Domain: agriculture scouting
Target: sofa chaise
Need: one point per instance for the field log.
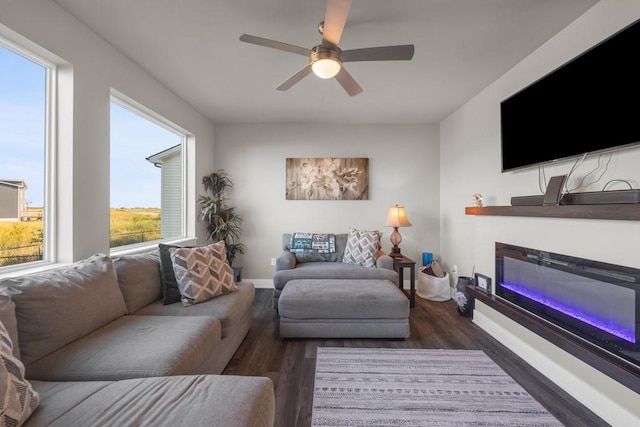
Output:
(101, 348)
(305, 265)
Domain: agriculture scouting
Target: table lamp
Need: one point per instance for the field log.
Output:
(397, 218)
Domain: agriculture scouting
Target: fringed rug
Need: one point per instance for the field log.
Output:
(416, 387)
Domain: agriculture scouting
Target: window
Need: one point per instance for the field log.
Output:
(26, 88)
(147, 184)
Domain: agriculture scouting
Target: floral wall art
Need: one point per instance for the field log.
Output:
(328, 178)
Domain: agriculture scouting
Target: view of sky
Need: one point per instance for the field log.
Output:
(22, 103)
(135, 182)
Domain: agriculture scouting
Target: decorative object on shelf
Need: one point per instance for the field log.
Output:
(327, 178)
(222, 221)
(476, 200)
(396, 218)
(483, 283)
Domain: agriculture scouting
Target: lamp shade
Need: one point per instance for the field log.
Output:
(397, 217)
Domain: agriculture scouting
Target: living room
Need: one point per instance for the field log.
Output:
(433, 169)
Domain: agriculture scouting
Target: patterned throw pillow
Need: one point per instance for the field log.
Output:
(18, 400)
(202, 272)
(362, 247)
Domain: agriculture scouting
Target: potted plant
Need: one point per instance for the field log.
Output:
(222, 221)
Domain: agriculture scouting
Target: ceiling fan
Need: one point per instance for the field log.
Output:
(326, 60)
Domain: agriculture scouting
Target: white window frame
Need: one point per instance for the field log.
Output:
(49, 255)
(135, 107)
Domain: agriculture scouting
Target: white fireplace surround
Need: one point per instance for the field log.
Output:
(607, 398)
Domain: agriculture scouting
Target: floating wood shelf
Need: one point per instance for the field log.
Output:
(626, 212)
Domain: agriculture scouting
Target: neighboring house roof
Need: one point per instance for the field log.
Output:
(159, 157)
(13, 183)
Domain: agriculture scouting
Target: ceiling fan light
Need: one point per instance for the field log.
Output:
(326, 68)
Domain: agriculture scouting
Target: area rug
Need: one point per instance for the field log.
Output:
(417, 387)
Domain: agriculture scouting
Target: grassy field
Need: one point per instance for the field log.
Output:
(22, 241)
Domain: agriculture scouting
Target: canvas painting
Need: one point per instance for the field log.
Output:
(330, 178)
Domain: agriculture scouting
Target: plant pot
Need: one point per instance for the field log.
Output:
(237, 274)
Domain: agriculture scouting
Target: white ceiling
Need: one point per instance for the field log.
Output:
(192, 47)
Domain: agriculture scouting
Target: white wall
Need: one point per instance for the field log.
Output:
(403, 169)
(470, 163)
(89, 68)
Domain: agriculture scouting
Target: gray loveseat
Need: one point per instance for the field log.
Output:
(101, 348)
(296, 266)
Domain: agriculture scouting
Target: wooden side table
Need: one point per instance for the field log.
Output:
(399, 264)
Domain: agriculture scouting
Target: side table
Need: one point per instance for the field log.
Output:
(399, 264)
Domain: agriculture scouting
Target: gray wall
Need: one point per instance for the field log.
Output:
(470, 163)
(403, 169)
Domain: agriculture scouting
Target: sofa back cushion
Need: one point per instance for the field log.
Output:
(58, 306)
(139, 279)
(341, 243)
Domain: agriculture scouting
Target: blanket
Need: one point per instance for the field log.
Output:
(313, 243)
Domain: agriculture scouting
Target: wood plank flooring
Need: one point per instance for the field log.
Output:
(291, 363)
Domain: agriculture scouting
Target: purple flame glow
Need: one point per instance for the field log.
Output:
(602, 324)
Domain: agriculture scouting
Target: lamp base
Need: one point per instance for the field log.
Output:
(395, 252)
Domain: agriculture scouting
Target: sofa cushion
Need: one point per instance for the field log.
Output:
(133, 347)
(18, 400)
(139, 279)
(58, 306)
(362, 247)
(8, 319)
(194, 400)
(332, 270)
(229, 309)
(202, 273)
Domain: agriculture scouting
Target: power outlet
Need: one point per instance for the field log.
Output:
(273, 261)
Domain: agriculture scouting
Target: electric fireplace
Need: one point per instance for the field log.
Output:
(595, 301)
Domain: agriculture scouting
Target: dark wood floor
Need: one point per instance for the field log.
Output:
(291, 363)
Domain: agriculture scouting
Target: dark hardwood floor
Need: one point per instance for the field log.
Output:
(291, 363)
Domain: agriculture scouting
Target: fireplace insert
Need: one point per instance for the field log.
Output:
(596, 301)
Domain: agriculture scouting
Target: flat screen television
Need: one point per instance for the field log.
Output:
(588, 105)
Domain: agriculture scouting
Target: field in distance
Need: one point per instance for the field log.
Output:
(21, 241)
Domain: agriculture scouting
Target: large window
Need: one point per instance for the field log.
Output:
(25, 150)
(147, 184)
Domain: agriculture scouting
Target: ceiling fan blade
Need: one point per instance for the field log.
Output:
(295, 78)
(275, 44)
(348, 82)
(335, 17)
(382, 53)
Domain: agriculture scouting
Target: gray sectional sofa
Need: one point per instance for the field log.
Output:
(101, 348)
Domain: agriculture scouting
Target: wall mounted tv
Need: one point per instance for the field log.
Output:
(589, 105)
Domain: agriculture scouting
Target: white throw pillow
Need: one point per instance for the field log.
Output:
(18, 400)
(202, 272)
(362, 247)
